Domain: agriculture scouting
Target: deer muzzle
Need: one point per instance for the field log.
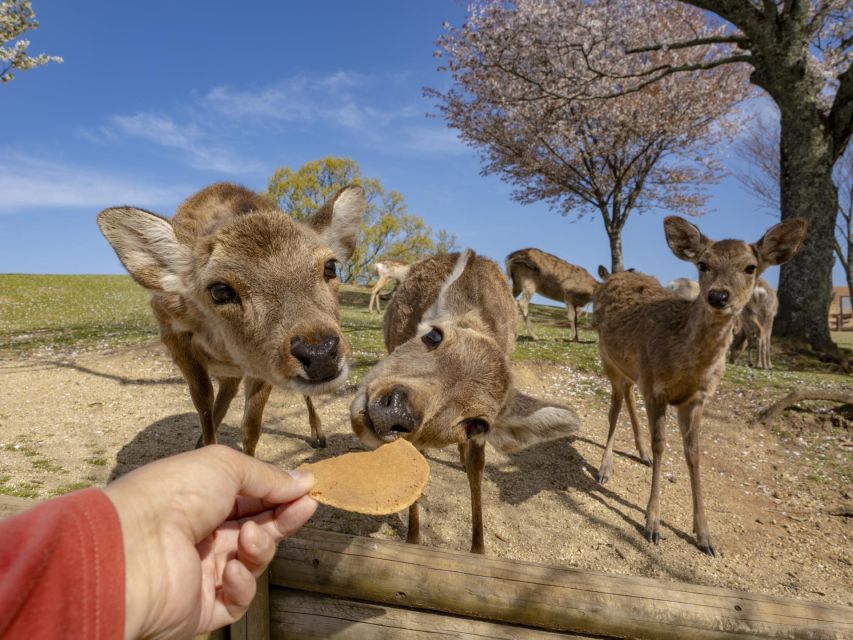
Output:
(392, 415)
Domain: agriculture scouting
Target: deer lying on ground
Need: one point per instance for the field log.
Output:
(673, 349)
(684, 288)
(395, 270)
(240, 290)
(534, 271)
(450, 330)
(756, 325)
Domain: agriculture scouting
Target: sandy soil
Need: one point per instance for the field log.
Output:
(780, 519)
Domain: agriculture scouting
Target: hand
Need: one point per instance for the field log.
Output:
(198, 528)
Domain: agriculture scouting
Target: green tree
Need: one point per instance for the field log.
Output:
(17, 17)
(388, 231)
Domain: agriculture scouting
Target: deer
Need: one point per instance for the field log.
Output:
(756, 325)
(241, 292)
(450, 329)
(535, 271)
(674, 349)
(395, 270)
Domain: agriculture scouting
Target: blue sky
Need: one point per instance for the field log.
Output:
(158, 99)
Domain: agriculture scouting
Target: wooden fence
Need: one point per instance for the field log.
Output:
(331, 585)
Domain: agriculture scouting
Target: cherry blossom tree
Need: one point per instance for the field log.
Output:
(17, 17)
(520, 97)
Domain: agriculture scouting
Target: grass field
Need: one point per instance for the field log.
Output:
(55, 314)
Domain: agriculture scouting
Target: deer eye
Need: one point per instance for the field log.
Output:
(433, 338)
(330, 269)
(475, 427)
(750, 269)
(222, 293)
(703, 266)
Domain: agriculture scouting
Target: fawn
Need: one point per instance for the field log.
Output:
(395, 270)
(674, 349)
(240, 290)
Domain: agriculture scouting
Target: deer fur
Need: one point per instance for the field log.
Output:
(241, 291)
(756, 325)
(534, 271)
(450, 330)
(674, 349)
(684, 288)
(395, 270)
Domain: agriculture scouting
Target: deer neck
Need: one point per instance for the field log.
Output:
(710, 334)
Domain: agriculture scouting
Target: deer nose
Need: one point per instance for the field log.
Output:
(392, 415)
(718, 298)
(319, 359)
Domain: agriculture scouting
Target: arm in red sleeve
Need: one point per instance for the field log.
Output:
(62, 570)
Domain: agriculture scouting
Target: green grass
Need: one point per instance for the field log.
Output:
(39, 312)
(68, 488)
(18, 490)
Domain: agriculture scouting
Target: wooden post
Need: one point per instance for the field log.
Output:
(540, 596)
(255, 625)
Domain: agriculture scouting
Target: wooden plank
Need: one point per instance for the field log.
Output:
(542, 596)
(300, 615)
(255, 625)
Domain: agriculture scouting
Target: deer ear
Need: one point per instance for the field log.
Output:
(603, 273)
(526, 420)
(339, 219)
(685, 239)
(438, 307)
(148, 248)
(782, 241)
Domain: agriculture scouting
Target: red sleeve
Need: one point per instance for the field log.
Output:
(62, 570)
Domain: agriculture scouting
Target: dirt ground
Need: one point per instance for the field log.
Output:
(779, 515)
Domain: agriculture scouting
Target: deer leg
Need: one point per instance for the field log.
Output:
(201, 389)
(318, 438)
(475, 462)
(690, 423)
(523, 303)
(656, 409)
(461, 448)
(572, 314)
(413, 536)
(628, 394)
(227, 390)
(613, 417)
(257, 393)
(740, 342)
(374, 295)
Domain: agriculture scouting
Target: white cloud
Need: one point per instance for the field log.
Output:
(189, 139)
(27, 183)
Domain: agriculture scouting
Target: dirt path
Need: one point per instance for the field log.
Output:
(775, 503)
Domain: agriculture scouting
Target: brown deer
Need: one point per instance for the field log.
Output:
(756, 325)
(395, 270)
(534, 271)
(240, 290)
(673, 349)
(684, 288)
(450, 330)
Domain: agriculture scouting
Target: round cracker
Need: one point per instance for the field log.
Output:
(379, 482)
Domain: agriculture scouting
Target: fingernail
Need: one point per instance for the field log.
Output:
(302, 477)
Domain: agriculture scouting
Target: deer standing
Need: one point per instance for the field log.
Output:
(240, 290)
(450, 329)
(756, 325)
(534, 271)
(673, 349)
(395, 270)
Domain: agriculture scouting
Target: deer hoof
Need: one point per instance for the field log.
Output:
(318, 443)
(708, 549)
(652, 536)
(603, 477)
(646, 460)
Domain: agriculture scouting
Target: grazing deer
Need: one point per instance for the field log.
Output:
(673, 349)
(450, 330)
(395, 270)
(240, 290)
(684, 288)
(756, 325)
(534, 271)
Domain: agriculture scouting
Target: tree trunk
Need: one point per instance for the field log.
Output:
(807, 191)
(616, 264)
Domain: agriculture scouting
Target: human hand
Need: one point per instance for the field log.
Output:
(198, 528)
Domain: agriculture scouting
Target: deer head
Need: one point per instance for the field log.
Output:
(249, 281)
